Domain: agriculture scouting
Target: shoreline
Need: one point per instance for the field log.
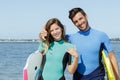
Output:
(33, 40)
(19, 40)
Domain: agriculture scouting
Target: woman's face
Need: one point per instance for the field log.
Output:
(56, 32)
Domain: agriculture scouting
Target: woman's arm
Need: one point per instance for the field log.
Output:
(43, 34)
(73, 66)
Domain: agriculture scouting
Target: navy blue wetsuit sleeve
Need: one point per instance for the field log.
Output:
(67, 36)
(107, 44)
(69, 59)
(66, 60)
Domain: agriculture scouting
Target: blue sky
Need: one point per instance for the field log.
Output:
(24, 19)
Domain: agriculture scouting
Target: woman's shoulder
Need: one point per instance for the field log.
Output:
(67, 44)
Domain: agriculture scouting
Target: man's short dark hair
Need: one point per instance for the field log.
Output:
(74, 11)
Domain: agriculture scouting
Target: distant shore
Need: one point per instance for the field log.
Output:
(37, 40)
(19, 40)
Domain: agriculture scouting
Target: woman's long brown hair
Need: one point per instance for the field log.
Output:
(49, 38)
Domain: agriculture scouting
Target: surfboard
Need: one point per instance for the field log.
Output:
(108, 66)
(31, 71)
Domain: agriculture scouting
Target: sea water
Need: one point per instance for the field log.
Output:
(13, 56)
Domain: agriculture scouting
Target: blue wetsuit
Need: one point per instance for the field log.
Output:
(89, 45)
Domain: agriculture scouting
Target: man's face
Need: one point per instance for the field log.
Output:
(80, 21)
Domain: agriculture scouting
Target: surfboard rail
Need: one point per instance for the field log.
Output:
(108, 66)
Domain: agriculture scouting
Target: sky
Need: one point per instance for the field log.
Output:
(24, 19)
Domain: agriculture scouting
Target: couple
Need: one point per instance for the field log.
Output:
(83, 59)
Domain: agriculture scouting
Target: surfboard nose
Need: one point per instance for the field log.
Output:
(32, 67)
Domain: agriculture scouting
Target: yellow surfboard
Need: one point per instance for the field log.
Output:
(108, 66)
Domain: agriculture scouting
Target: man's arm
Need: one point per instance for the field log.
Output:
(114, 63)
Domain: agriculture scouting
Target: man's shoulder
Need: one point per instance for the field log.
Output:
(99, 31)
(72, 34)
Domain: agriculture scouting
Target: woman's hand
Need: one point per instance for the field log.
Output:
(73, 52)
(43, 34)
(72, 68)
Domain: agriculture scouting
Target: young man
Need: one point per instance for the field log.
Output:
(89, 43)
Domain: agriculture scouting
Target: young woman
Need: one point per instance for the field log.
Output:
(57, 52)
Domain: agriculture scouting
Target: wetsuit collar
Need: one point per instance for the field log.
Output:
(85, 32)
(60, 41)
